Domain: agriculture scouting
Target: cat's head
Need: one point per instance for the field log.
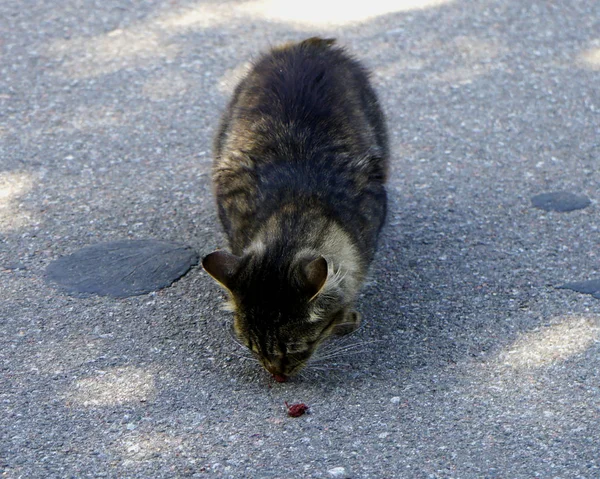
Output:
(282, 307)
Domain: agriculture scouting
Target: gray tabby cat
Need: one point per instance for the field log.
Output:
(301, 159)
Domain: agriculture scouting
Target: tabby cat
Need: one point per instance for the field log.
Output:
(301, 158)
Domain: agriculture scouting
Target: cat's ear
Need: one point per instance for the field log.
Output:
(222, 266)
(315, 276)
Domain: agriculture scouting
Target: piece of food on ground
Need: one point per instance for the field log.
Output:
(296, 410)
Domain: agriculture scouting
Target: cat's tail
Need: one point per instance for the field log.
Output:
(310, 44)
(318, 42)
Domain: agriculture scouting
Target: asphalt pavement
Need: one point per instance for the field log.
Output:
(472, 361)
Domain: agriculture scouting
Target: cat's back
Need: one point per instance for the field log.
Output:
(300, 94)
(304, 121)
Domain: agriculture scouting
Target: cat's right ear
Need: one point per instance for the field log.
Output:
(222, 266)
(315, 274)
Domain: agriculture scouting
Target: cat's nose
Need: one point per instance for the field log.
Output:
(276, 372)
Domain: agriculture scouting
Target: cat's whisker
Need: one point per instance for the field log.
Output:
(320, 368)
(322, 372)
(232, 335)
(339, 350)
(354, 344)
(336, 375)
(319, 374)
(242, 356)
(330, 365)
(330, 359)
(245, 358)
(352, 347)
(359, 328)
(239, 343)
(339, 354)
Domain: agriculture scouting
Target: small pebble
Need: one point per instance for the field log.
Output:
(337, 472)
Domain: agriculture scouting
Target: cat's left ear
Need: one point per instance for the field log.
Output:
(222, 266)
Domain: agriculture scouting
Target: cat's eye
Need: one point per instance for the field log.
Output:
(301, 355)
(297, 349)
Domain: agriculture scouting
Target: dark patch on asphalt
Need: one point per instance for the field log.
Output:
(122, 268)
(591, 286)
(560, 201)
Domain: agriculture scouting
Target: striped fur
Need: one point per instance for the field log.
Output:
(299, 171)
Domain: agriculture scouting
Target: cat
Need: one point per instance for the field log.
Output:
(300, 163)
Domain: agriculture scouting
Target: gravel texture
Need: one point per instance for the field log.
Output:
(471, 362)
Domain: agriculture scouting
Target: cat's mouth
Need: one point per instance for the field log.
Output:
(281, 374)
(277, 373)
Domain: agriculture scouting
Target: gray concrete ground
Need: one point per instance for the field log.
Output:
(471, 364)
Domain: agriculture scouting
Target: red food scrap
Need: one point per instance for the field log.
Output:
(296, 410)
(280, 378)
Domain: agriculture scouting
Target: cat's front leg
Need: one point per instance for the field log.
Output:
(349, 324)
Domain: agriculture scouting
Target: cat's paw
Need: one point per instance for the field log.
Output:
(349, 325)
